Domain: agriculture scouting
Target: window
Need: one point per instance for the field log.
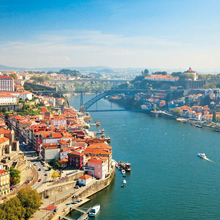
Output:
(99, 166)
(98, 173)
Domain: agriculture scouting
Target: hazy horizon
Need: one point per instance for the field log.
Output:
(117, 34)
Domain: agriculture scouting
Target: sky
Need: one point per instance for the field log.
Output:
(166, 34)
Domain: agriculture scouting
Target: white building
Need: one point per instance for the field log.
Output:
(85, 179)
(6, 83)
(25, 95)
(7, 99)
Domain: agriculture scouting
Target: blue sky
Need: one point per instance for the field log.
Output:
(115, 33)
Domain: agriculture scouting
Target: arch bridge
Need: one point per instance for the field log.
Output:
(101, 94)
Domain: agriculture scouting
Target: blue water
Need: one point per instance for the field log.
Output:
(168, 180)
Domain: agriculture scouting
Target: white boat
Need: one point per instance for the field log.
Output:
(124, 181)
(95, 209)
(122, 171)
(202, 155)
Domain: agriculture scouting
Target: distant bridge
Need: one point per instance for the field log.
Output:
(104, 93)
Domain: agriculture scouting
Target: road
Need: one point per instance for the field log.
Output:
(31, 155)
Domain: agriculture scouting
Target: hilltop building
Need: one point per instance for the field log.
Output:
(190, 71)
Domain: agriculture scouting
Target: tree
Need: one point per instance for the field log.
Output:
(30, 200)
(15, 176)
(176, 112)
(160, 73)
(4, 109)
(214, 118)
(176, 74)
(145, 72)
(55, 175)
(13, 75)
(57, 164)
(186, 76)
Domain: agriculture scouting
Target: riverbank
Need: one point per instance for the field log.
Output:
(84, 193)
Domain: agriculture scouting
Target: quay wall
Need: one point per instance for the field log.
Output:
(87, 192)
(96, 187)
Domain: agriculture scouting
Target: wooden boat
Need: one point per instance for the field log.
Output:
(125, 166)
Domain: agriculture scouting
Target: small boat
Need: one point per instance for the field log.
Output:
(125, 166)
(97, 123)
(202, 155)
(123, 185)
(95, 209)
(101, 131)
(124, 181)
(108, 139)
(122, 171)
(124, 175)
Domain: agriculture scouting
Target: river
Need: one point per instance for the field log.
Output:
(168, 180)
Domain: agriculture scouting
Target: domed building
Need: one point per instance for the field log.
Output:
(190, 71)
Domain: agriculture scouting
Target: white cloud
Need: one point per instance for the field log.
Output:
(86, 48)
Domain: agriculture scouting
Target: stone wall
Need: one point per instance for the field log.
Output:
(96, 187)
(70, 178)
(57, 189)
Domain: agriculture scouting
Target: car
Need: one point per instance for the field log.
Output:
(45, 174)
(77, 201)
(39, 180)
(74, 196)
(35, 164)
(76, 187)
(39, 169)
(70, 203)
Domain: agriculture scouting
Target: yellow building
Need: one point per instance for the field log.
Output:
(4, 182)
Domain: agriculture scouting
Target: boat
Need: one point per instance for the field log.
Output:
(95, 209)
(108, 139)
(101, 131)
(97, 123)
(202, 155)
(124, 181)
(123, 185)
(125, 166)
(122, 171)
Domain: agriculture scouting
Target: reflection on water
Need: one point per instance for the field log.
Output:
(168, 180)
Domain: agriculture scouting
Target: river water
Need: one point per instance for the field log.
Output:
(168, 180)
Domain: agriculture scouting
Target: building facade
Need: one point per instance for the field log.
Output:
(4, 182)
(6, 83)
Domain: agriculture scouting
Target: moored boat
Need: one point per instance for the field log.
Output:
(125, 166)
(202, 155)
(124, 181)
(97, 123)
(95, 209)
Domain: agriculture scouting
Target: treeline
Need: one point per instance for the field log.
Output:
(40, 79)
(21, 207)
(69, 72)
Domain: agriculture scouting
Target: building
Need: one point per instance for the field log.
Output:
(190, 71)
(100, 165)
(51, 152)
(85, 179)
(4, 182)
(76, 160)
(8, 99)
(6, 83)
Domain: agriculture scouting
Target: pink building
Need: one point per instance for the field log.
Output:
(101, 166)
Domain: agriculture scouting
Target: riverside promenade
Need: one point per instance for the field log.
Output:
(61, 199)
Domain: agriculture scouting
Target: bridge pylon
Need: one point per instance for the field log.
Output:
(81, 108)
